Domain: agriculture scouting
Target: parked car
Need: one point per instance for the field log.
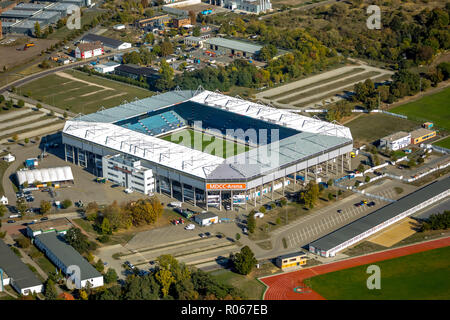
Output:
(245, 231)
(207, 234)
(202, 235)
(190, 227)
(371, 204)
(44, 219)
(11, 221)
(339, 211)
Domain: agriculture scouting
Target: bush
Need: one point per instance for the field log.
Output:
(251, 223)
(238, 236)
(66, 203)
(103, 238)
(23, 242)
(262, 209)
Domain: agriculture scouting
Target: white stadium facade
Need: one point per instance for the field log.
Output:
(278, 147)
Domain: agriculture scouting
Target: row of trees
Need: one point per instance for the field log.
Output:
(170, 280)
(437, 221)
(115, 217)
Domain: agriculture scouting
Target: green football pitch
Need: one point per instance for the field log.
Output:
(206, 143)
(435, 108)
(420, 276)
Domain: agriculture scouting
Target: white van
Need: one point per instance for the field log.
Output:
(15, 216)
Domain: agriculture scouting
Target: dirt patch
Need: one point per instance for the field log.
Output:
(69, 76)
(395, 233)
(12, 55)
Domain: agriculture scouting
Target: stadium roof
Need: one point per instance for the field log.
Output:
(17, 270)
(373, 219)
(234, 44)
(314, 137)
(68, 255)
(45, 175)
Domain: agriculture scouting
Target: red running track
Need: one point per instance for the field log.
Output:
(281, 287)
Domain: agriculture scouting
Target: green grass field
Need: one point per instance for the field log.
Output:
(80, 97)
(445, 143)
(252, 288)
(370, 127)
(420, 276)
(206, 143)
(435, 108)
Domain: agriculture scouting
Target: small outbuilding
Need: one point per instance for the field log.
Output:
(206, 218)
(4, 200)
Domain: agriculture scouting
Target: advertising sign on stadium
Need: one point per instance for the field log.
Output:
(226, 186)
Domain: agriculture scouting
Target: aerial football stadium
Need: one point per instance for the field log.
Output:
(205, 147)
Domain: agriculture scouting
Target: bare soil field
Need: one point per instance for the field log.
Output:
(11, 56)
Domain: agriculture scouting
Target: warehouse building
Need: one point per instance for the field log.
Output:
(233, 47)
(251, 6)
(16, 273)
(206, 219)
(136, 72)
(107, 67)
(421, 135)
(396, 141)
(88, 50)
(128, 173)
(27, 27)
(47, 17)
(16, 15)
(31, 6)
(54, 175)
(63, 8)
(366, 226)
(107, 42)
(65, 257)
(59, 225)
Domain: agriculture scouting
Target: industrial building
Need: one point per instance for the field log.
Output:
(47, 17)
(88, 50)
(179, 22)
(251, 6)
(396, 141)
(58, 225)
(136, 72)
(107, 42)
(16, 273)
(156, 21)
(26, 27)
(421, 135)
(234, 47)
(66, 258)
(281, 145)
(107, 67)
(370, 224)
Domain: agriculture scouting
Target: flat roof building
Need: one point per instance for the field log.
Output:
(291, 260)
(206, 218)
(59, 225)
(18, 14)
(27, 26)
(364, 227)
(21, 278)
(65, 257)
(396, 141)
(422, 134)
(107, 42)
(48, 17)
(135, 72)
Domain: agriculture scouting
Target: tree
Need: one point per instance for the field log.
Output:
(50, 290)
(21, 206)
(251, 223)
(196, 31)
(357, 183)
(330, 196)
(26, 140)
(166, 80)
(38, 106)
(45, 206)
(262, 209)
(106, 227)
(311, 195)
(37, 30)
(330, 182)
(150, 38)
(111, 276)
(66, 203)
(411, 163)
(244, 261)
(165, 279)
(79, 241)
(23, 242)
(15, 137)
(65, 114)
(367, 179)
(20, 103)
(3, 210)
(238, 236)
(99, 265)
(360, 167)
(193, 18)
(166, 48)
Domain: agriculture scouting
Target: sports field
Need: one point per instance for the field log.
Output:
(424, 275)
(445, 143)
(435, 108)
(80, 93)
(206, 143)
(380, 126)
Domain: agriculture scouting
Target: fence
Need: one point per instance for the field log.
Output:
(439, 149)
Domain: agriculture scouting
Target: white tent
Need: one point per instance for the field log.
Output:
(9, 158)
(45, 175)
(3, 200)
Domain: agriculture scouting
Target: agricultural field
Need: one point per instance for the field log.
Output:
(323, 88)
(434, 108)
(80, 93)
(380, 126)
(206, 143)
(419, 276)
